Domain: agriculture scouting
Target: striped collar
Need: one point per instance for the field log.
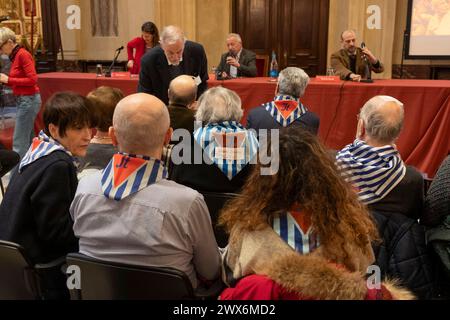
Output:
(285, 109)
(296, 230)
(373, 171)
(127, 174)
(43, 146)
(228, 145)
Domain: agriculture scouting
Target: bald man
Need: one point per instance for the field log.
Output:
(131, 213)
(182, 103)
(354, 63)
(373, 164)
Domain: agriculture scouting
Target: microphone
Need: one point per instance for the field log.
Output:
(4, 18)
(119, 49)
(368, 71)
(109, 71)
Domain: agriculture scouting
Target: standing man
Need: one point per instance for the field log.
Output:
(237, 62)
(351, 61)
(176, 56)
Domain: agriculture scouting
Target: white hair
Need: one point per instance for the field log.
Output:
(7, 34)
(219, 104)
(171, 35)
(292, 81)
(235, 36)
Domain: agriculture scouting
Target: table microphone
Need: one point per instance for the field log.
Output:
(368, 71)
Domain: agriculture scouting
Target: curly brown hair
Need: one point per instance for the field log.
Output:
(308, 178)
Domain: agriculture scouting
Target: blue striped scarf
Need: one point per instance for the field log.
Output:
(373, 171)
(229, 146)
(285, 109)
(42, 146)
(127, 174)
(299, 236)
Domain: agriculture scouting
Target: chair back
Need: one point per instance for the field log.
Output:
(262, 65)
(215, 202)
(17, 277)
(104, 280)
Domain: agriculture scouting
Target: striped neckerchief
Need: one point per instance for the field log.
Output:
(42, 146)
(228, 145)
(373, 171)
(127, 174)
(285, 109)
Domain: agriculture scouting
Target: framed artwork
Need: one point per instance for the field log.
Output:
(31, 8)
(14, 25)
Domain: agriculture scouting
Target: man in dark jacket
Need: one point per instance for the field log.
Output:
(182, 95)
(173, 58)
(237, 62)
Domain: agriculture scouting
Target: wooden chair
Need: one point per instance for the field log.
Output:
(262, 65)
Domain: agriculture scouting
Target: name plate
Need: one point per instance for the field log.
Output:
(328, 78)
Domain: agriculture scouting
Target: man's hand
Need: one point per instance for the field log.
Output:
(4, 78)
(224, 75)
(233, 62)
(355, 77)
(372, 58)
(130, 64)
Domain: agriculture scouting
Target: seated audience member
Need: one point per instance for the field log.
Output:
(35, 210)
(131, 213)
(8, 160)
(351, 62)
(139, 46)
(237, 62)
(101, 149)
(217, 158)
(301, 230)
(373, 164)
(286, 109)
(182, 96)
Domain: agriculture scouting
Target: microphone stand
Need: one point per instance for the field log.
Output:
(108, 72)
(368, 72)
(405, 35)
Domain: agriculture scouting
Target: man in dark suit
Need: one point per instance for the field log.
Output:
(182, 95)
(176, 56)
(286, 109)
(237, 62)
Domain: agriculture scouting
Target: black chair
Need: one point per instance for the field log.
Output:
(19, 279)
(215, 202)
(104, 280)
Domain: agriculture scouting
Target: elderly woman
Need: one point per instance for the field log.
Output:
(300, 233)
(35, 210)
(140, 45)
(221, 150)
(286, 109)
(23, 81)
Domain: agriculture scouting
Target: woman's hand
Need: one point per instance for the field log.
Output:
(4, 78)
(130, 64)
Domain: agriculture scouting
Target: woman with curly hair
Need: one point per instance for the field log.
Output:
(300, 233)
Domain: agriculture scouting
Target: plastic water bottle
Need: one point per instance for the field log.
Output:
(274, 66)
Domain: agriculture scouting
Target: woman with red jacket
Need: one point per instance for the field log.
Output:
(23, 81)
(140, 45)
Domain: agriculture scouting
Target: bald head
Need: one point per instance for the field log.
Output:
(182, 91)
(382, 117)
(140, 123)
(348, 41)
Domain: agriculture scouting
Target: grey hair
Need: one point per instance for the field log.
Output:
(293, 82)
(236, 36)
(219, 104)
(171, 35)
(7, 34)
(349, 30)
(376, 124)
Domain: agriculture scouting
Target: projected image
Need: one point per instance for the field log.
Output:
(430, 17)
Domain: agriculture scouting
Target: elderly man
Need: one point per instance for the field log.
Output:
(353, 63)
(237, 62)
(131, 213)
(176, 56)
(286, 109)
(217, 157)
(182, 103)
(373, 164)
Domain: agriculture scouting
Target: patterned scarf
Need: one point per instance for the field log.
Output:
(285, 109)
(127, 174)
(229, 146)
(373, 171)
(42, 146)
(296, 230)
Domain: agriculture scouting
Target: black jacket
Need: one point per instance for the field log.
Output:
(35, 210)
(247, 60)
(260, 118)
(154, 77)
(403, 253)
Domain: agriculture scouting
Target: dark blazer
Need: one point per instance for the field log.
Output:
(247, 61)
(260, 118)
(35, 210)
(154, 77)
(340, 61)
(181, 117)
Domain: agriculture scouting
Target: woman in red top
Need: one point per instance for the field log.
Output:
(23, 81)
(140, 45)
